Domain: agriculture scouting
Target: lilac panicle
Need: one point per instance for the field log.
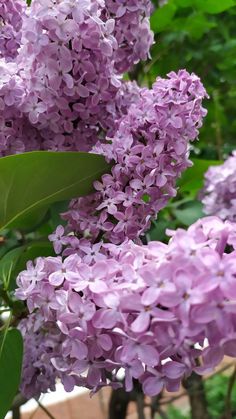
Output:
(152, 310)
(150, 151)
(70, 59)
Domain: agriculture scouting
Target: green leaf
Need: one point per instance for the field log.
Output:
(184, 3)
(55, 211)
(193, 178)
(8, 263)
(11, 353)
(214, 6)
(162, 17)
(33, 219)
(158, 229)
(189, 213)
(34, 180)
(195, 25)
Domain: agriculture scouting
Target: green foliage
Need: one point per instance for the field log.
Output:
(174, 413)
(158, 229)
(32, 181)
(214, 6)
(11, 352)
(192, 179)
(162, 16)
(200, 35)
(195, 25)
(188, 212)
(184, 3)
(216, 390)
(186, 208)
(8, 265)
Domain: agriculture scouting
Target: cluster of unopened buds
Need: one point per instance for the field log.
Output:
(158, 311)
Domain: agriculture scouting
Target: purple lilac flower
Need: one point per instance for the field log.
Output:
(149, 151)
(61, 67)
(131, 30)
(154, 310)
(219, 192)
(12, 13)
(64, 91)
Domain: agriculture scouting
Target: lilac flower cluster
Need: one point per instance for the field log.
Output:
(12, 13)
(100, 307)
(219, 192)
(149, 151)
(154, 310)
(68, 71)
(64, 92)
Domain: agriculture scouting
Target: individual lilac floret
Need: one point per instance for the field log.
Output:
(149, 151)
(219, 193)
(12, 13)
(154, 310)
